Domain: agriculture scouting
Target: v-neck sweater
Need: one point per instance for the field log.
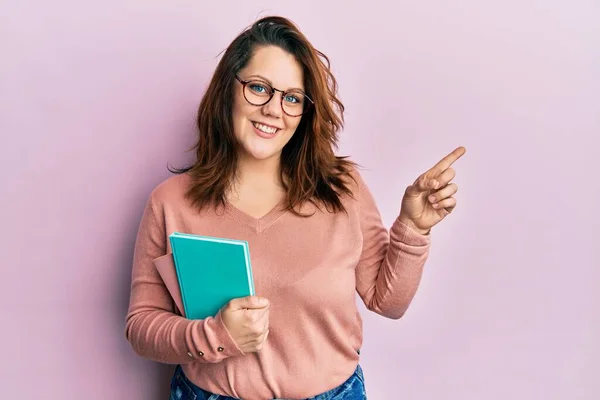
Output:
(310, 269)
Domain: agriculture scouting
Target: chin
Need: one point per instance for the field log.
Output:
(263, 155)
(261, 149)
(260, 152)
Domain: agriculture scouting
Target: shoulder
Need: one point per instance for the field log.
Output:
(357, 193)
(363, 199)
(170, 192)
(355, 181)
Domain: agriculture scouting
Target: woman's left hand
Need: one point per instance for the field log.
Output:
(431, 197)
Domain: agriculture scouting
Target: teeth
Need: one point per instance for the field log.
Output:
(266, 129)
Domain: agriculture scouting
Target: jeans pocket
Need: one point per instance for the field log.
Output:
(360, 374)
(352, 389)
(181, 389)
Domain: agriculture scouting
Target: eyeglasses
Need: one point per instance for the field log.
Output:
(294, 102)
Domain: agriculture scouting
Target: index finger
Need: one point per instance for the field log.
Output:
(447, 161)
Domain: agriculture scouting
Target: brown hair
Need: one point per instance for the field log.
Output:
(313, 172)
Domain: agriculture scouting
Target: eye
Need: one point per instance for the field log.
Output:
(291, 99)
(259, 88)
(294, 98)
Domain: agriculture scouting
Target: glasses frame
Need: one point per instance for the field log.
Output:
(307, 107)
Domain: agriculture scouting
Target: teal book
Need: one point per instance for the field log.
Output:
(211, 272)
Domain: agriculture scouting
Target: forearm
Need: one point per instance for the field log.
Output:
(399, 272)
(164, 337)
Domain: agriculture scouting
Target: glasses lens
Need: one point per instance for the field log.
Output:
(294, 102)
(257, 92)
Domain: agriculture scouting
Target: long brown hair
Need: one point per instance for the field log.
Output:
(312, 171)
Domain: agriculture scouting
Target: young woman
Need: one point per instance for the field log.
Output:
(266, 172)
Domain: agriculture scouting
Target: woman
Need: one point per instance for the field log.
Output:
(266, 173)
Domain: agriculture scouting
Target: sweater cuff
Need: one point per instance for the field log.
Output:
(230, 348)
(210, 341)
(402, 233)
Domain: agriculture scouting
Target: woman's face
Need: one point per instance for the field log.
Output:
(263, 131)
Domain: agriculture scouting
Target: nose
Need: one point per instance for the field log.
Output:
(273, 107)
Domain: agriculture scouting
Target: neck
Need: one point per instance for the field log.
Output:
(258, 174)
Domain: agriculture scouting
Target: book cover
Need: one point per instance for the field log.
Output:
(211, 272)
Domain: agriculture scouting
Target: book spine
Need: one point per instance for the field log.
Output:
(183, 296)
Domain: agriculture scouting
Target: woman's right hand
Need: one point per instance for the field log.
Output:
(247, 320)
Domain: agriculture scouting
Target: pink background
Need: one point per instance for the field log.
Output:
(96, 98)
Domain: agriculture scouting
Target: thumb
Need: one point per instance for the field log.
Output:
(421, 185)
(249, 302)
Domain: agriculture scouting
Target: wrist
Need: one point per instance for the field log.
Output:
(411, 225)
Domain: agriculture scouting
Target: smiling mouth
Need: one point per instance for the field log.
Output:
(269, 130)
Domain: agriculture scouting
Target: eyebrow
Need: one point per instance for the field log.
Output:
(271, 83)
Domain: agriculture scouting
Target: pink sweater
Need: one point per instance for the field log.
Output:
(309, 269)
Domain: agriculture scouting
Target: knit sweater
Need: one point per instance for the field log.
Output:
(310, 269)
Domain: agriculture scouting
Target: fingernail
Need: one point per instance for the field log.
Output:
(435, 205)
(431, 198)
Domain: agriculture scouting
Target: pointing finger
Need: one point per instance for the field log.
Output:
(447, 161)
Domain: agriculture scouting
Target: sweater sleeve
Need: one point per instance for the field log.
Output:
(391, 264)
(152, 327)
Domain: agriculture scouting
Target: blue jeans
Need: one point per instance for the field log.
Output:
(183, 389)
